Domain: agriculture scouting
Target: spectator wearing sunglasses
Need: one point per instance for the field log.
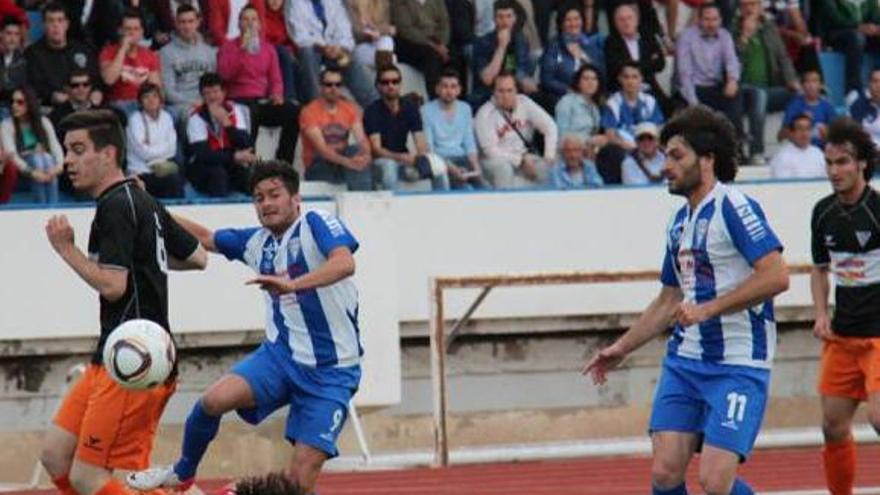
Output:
(389, 121)
(327, 125)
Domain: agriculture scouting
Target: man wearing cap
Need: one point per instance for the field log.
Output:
(644, 165)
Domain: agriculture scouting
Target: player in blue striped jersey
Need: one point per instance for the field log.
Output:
(721, 269)
(310, 358)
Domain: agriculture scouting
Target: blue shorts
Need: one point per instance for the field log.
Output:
(723, 403)
(318, 397)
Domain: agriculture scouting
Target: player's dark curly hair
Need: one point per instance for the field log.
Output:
(708, 133)
(275, 169)
(843, 131)
(270, 484)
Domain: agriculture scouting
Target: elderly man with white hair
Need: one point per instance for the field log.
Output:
(574, 170)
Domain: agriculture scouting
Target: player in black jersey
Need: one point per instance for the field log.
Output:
(846, 242)
(101, 427)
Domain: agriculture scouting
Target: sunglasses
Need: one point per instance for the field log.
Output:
(332, 84)
(645, 137)
(18, 101)
(389, 82)
(80, 84)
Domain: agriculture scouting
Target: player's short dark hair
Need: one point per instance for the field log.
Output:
(387, 68)
(55, 8)
(103, 128)
(843, 131)
(800, 116)
(708, 133)
(186, 8)
(209, 80)
(275, 169)
(270, 484)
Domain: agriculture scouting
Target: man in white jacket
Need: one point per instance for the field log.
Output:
(505, 131)
(152, 145)
(323, 35)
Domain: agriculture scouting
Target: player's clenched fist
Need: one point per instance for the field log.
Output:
(59, 232)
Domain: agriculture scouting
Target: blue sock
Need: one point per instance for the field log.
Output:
(200, 430)
(678, 490)
(740, 487)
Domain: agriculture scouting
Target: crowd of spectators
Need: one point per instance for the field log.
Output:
(513, 98)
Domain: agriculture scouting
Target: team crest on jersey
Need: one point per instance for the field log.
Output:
(863, 237)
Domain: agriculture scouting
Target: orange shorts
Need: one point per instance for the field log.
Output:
(850, 367)
(114, 426)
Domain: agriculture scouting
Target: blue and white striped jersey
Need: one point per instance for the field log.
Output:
(710, 252)
(315, 327)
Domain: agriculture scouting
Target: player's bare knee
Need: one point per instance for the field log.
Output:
(215, 404)
(54, 461)
(666, 474)
(716, 483)
(835, 430)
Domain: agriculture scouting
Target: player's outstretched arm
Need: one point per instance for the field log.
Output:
(656, 318)
(339, 265)
(820, 288)
(770, 277)
(199, 231)
(111, 283)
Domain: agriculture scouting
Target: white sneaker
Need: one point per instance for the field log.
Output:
(157, 477)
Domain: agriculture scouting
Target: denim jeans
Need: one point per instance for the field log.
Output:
(355, 180)
(355, 76)
(758, 102)
(468, 184)
(392, 173)
(44, 192)
(288, 71)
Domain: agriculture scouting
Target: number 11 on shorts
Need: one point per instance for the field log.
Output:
(736, 406)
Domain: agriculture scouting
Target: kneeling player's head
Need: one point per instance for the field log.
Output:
(270, 484)
(274, 186)
(95, 145)
(850, 155)
(700, 145)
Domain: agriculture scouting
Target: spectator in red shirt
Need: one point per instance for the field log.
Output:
(251, 73)
(222, 16)
(126, 65)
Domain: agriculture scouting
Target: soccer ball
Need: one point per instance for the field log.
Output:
(139, 354)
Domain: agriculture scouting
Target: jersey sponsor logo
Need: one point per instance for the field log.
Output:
(754, 227)
(687, 265)
(863, 237)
